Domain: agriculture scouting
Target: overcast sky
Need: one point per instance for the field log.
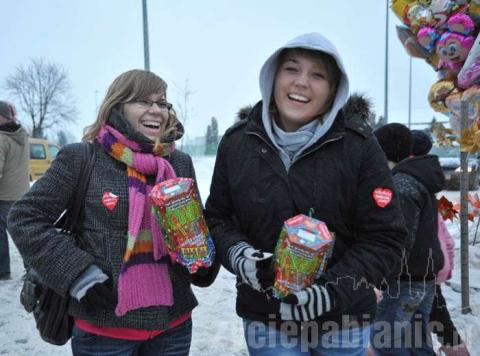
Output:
(218, 46)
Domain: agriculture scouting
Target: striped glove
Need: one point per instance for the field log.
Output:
(306, 305)
(251, 265)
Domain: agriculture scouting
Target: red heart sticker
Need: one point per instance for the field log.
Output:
(110, 200)
(382, 196)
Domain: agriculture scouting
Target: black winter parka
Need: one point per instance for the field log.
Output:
(416, 180)
(252, 194)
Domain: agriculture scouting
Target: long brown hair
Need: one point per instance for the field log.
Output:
(130, 86)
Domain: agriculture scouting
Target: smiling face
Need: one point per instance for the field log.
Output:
(454, 48)
(302, 89)
(149, 120)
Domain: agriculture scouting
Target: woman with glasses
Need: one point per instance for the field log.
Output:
(127, 297)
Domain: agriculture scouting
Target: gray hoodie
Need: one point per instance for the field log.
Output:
(312, 41)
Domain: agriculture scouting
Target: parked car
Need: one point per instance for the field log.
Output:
(449, 158)
(42, 154)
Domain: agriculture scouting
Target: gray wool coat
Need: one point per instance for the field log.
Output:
(103, 239)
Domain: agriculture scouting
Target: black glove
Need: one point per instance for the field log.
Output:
(252, 266)
(203, 276)
(99, 297)
(306, 305)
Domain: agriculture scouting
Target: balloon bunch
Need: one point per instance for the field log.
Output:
(446, 34)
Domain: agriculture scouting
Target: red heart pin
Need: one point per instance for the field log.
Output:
(110, 200)
(382, 196)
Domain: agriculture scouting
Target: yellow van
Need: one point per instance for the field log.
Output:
(42, 154)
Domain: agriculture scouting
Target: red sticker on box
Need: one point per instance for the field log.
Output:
(110, 200)
(382, 196)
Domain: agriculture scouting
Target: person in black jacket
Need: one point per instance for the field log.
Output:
(298, 152)
(408, 299)
(447, 333)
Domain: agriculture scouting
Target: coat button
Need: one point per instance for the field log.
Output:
(264, 150)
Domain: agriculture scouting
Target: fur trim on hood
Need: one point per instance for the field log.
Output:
(358, 104)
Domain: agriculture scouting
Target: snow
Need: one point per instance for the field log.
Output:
(217, 329)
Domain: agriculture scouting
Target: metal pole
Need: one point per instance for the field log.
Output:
(385, 114)
(410, 93)
(464, 216)
(146, 52)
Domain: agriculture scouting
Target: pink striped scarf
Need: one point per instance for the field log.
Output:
(144, 280)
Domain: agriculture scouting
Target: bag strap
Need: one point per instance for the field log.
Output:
(76, 212)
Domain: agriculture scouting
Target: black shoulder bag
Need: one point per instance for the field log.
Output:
(50, 309)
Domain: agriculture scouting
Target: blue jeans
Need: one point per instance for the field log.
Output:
(173, 342)
(264, 340)
(4, 254)
(401, 324)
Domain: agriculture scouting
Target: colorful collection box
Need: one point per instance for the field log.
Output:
(177, 207)
(301, 254)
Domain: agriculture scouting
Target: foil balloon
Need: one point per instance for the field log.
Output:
(425, 3)
(433, 60)
(400, 8)
(439, 92)
(472, 97)
(470, 72)
(461, 23)
(418, 16)
(474, 9)
(409, 42)
(441, 10)
(452, 49)
(454, 102)
(427, 37)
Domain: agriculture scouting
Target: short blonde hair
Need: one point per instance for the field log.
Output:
(130, 86)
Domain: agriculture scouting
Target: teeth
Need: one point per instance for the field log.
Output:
(151, 123)
(299, 97)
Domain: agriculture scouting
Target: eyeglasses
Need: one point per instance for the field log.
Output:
(147, 104)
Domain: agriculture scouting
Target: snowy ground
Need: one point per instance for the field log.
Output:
(217, 330)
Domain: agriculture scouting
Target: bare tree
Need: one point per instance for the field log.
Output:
(183, 104)
(42, 90)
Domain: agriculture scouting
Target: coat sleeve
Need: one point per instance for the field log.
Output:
(51, 253)
(3, 154)
(377, 225)
(219, 208)
(411, 204)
